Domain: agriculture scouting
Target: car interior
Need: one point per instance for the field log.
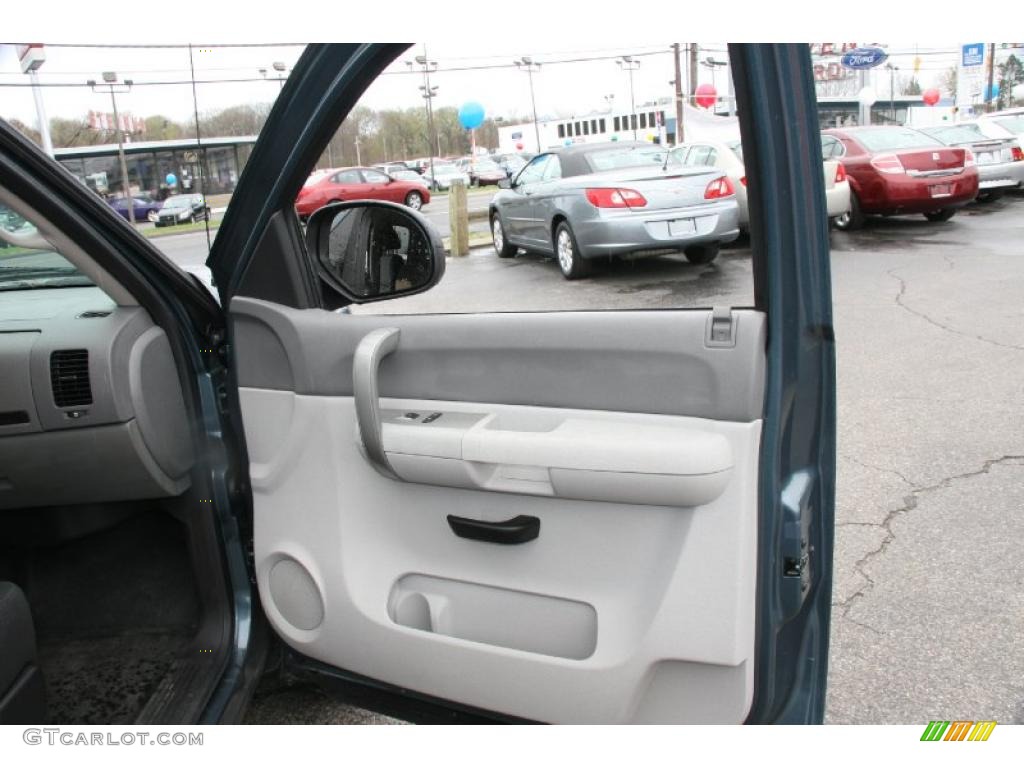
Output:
(105, 607)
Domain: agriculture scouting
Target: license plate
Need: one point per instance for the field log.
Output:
(941, 190)
(986, 158)
(681, 227)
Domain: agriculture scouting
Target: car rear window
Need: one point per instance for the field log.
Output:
(886, 139)
(957, 133)
(1014, 123)
(625, 157)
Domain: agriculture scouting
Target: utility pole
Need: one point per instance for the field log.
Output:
(892, 90)
(359, 159)
(111, 83)
(679, 93)
(530, 66)
(694, 54)
(991, 75)
(630, 64)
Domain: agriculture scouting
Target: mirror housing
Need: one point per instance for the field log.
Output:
(370, 250)
(505, 184)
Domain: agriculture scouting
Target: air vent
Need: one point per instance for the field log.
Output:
(69, 375)
(95, 313)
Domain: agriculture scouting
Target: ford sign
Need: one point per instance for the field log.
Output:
(864, 58)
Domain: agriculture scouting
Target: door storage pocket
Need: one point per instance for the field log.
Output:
(507, 618)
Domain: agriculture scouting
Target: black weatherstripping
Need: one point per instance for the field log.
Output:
(792, 284)
(517, 530)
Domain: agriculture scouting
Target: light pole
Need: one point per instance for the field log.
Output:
(713, 64)
(530, 66)
(110, 82)
(630, 64)
(892, 90)
(428, 92)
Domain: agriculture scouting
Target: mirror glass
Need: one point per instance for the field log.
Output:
(376, 251)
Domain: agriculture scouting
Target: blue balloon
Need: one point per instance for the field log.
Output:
(171, 179)
(471, 115)
(568, 142)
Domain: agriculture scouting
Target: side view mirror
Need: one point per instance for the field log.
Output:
(505, 184)
(369, 250)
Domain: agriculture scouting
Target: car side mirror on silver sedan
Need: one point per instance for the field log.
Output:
(505, 184)
(370, 250)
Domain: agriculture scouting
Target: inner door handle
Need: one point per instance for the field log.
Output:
(518, 530)
(374, 347)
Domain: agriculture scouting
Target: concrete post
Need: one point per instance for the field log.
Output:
(458, 219)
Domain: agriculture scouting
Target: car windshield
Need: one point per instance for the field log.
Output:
(178, 202)
(887, 139)
(27, 261)
(956, 133)
(737, 149)
(625, 157)
(1013, 123)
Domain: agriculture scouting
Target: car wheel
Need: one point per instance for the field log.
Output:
(570, 260)
(504, 248)
(944, 215)
(852, 219)
(701, 254)
(989, 197)
(414, 200)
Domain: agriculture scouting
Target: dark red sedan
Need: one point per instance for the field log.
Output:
(895, 171)
(338, 184)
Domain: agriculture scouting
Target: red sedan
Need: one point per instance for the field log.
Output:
(895, 170)
(339, 184)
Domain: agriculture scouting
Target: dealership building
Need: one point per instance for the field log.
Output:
(208, 166)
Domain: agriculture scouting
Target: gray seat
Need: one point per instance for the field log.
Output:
(22, 698)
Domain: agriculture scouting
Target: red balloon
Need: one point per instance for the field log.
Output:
(519, 145)
(931, 97)
(706, 95)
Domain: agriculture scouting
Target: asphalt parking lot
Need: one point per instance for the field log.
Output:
(928, 619)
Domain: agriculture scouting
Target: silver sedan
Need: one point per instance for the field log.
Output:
(624, 199)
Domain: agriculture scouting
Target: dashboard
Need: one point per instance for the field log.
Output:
(91, 408)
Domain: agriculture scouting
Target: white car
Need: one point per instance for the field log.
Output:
(443, 175)
(1003, 125)
(727, 156)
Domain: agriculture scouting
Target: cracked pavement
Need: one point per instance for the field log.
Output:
(928, 598)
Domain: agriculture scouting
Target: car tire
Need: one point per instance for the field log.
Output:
(502, 246)
(567, 253)
(989, 197)
(414, 200)
(852, 219)
(944, 215)
(702, 254)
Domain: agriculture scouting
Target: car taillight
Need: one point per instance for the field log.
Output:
(743, 180)
(720, 187)
(887, 164)
(840, 172)
(1017, 154)
(612, 197)
(969, 158)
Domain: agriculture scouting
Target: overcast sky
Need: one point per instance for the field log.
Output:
(560, 86)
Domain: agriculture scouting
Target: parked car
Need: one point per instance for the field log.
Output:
(146, 208)
(359, 184)
(727, 156)
(442, 174)
(182, 209)
(484, 171)
(1008, 124)
(391, 168)
(897, 171)
(511, 164)
(1000, 161)
(592, 201)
